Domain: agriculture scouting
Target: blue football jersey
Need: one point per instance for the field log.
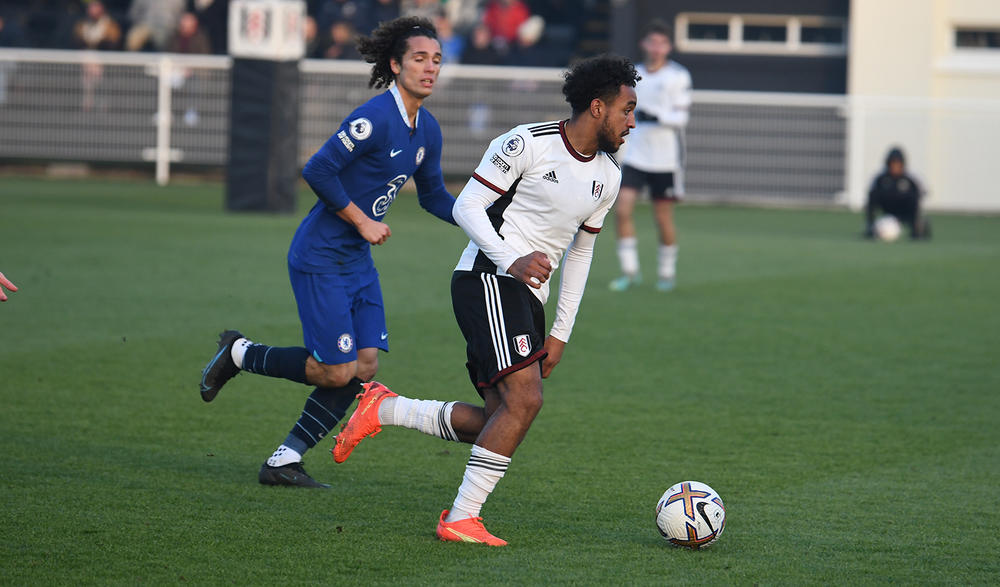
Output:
(366, 162)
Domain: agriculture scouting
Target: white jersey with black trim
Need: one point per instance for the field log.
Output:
(658, 147)
(539, 194)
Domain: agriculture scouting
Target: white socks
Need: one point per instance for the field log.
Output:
(240, 351)
(628, 255)
(283, 456)
(428, 416)
(667, 261)
(484, 470)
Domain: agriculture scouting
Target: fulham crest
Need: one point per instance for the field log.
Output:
(598, 188)
(522, 345)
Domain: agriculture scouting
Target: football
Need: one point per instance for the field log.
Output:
(690, 515)
(887, 228)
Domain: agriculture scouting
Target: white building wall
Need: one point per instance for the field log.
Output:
(910, 86)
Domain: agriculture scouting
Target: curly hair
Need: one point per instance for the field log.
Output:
(599, 77)
(390, 41)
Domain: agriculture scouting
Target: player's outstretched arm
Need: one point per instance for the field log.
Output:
(372, 231)
(4, 282)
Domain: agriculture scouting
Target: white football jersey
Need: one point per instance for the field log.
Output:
(658, 147)
(544, 192)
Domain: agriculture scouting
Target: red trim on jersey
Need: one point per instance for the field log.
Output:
(479, 178)
(539, 355)
(590, 229)
(576, 154)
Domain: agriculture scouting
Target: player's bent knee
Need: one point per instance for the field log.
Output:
(335, 375)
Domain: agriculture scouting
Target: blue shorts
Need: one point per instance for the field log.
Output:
(340, 314)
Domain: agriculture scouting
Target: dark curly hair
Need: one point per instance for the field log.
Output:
(599, 77)
(390, 41)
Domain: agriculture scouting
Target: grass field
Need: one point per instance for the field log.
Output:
(841, 395)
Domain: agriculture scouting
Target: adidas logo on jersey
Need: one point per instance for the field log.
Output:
(551, 176)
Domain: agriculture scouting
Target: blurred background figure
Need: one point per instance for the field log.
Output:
(310, 30)
(97, 30)
(340, 42)
(428, 9)
(153, 23)
(655, 157)
(503, 17)
(897, 192)
(333, 11)
(213, 15)
(452, 44)
(189, 37)
(463, 14)
(480, 49)
(11, 35)
(376, 11)
(526, 52)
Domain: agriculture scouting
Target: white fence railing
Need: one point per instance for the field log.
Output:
(742, 146)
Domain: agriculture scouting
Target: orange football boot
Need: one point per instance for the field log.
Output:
(364, 421)
(467, 530)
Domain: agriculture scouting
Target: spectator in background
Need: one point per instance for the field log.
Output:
(97, 30)
(340, 42)
(463, 14)
(310, 30)
(526, 52)
(480, 50)
(452, 44)
(375, 12)
(10, 36)
(897, 192)
(153, 23)
(332, 11)
(189, 37)
(428, 9)
(213, 15)
(503, 17)
(11, 33)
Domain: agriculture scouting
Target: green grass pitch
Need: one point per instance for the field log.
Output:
(842, 396)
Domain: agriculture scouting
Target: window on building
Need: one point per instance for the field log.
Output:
(969, 38)
(761, 34)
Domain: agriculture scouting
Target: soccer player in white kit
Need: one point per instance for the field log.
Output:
(655, 157)
(537, 199)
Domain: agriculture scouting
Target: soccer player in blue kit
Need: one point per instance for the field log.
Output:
(356, 175)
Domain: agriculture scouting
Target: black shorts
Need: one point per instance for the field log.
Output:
(661, 185)
(502, 322)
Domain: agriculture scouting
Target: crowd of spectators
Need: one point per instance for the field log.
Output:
(484, 32)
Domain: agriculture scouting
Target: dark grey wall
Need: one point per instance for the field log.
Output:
(825, 75)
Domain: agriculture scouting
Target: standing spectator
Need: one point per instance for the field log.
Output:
(655, 157)
(452, 44)
(503, 17)
(10, 36)
(340, 42)
(897, 192)
(333, 11)
(189, 37)
(375, 13)
(214, 18)
(481, 50)
(428, 9)
(310, 30)
(527, 52)
(153, 23)
(97, 30)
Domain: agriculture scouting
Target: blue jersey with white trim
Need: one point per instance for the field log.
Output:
(366, 162)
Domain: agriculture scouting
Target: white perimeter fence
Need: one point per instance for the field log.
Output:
(742, 146)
